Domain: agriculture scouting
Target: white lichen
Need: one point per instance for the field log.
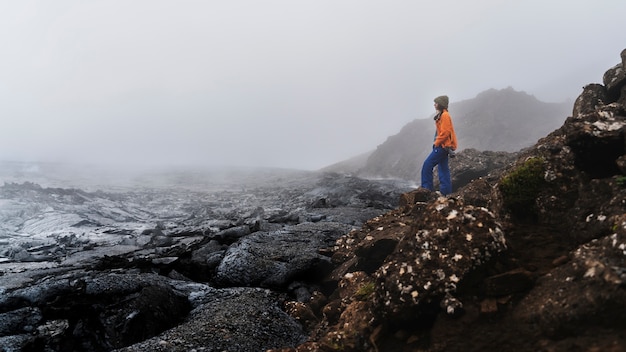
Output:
(604, 126)
(406, 289)
(452, 215)
(487, 211)
(441, 232)
(469, 217)
(605, 114)
(549, 176)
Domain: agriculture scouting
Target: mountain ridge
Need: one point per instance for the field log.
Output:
(495, 120)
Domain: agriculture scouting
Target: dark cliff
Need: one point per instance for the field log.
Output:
(529, 258)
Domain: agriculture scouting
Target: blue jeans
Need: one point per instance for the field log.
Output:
(438, 157)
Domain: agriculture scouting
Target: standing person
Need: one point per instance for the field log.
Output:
(444, 144)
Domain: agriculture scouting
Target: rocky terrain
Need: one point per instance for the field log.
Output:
(531, 257)
(214, 254)
(528, 257)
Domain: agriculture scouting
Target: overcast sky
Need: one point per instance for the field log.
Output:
(284, 83)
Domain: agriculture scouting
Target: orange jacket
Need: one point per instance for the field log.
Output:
(445, 131)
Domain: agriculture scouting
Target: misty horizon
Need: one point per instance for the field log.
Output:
(295, 85)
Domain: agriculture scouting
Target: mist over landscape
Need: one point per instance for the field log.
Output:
(244, 176)
(280, 84)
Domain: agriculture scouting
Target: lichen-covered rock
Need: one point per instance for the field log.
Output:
(614, 79)
(597, 139)
(354, 323)
(583, 294)
(366, 249)
(592, 97)
(445, 244)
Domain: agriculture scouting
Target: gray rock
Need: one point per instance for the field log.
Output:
(21, 320)
(614, 79)
(16, 343)
(272, 259)
(65, 310)
(240, 319)
(593, 96)
(232, 234)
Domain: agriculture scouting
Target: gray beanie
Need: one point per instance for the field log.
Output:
(442, 100)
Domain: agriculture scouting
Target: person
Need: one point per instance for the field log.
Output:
(444, 145)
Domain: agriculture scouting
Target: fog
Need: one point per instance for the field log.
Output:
(279, 83)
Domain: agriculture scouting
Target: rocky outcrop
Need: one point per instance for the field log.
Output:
(531, 258)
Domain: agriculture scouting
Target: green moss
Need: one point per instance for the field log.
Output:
(365, 291)
(621, 180)
(521, 187)
(336, 346)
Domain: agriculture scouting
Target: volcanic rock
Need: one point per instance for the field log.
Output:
(528, 258)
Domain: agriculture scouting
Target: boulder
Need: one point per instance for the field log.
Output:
(614, 80)
(442, 247)
(593, 96)
(94, 311)
(273, 259)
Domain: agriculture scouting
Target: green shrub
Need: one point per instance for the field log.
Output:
(521, 187)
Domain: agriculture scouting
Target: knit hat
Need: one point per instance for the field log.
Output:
(442, 100)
